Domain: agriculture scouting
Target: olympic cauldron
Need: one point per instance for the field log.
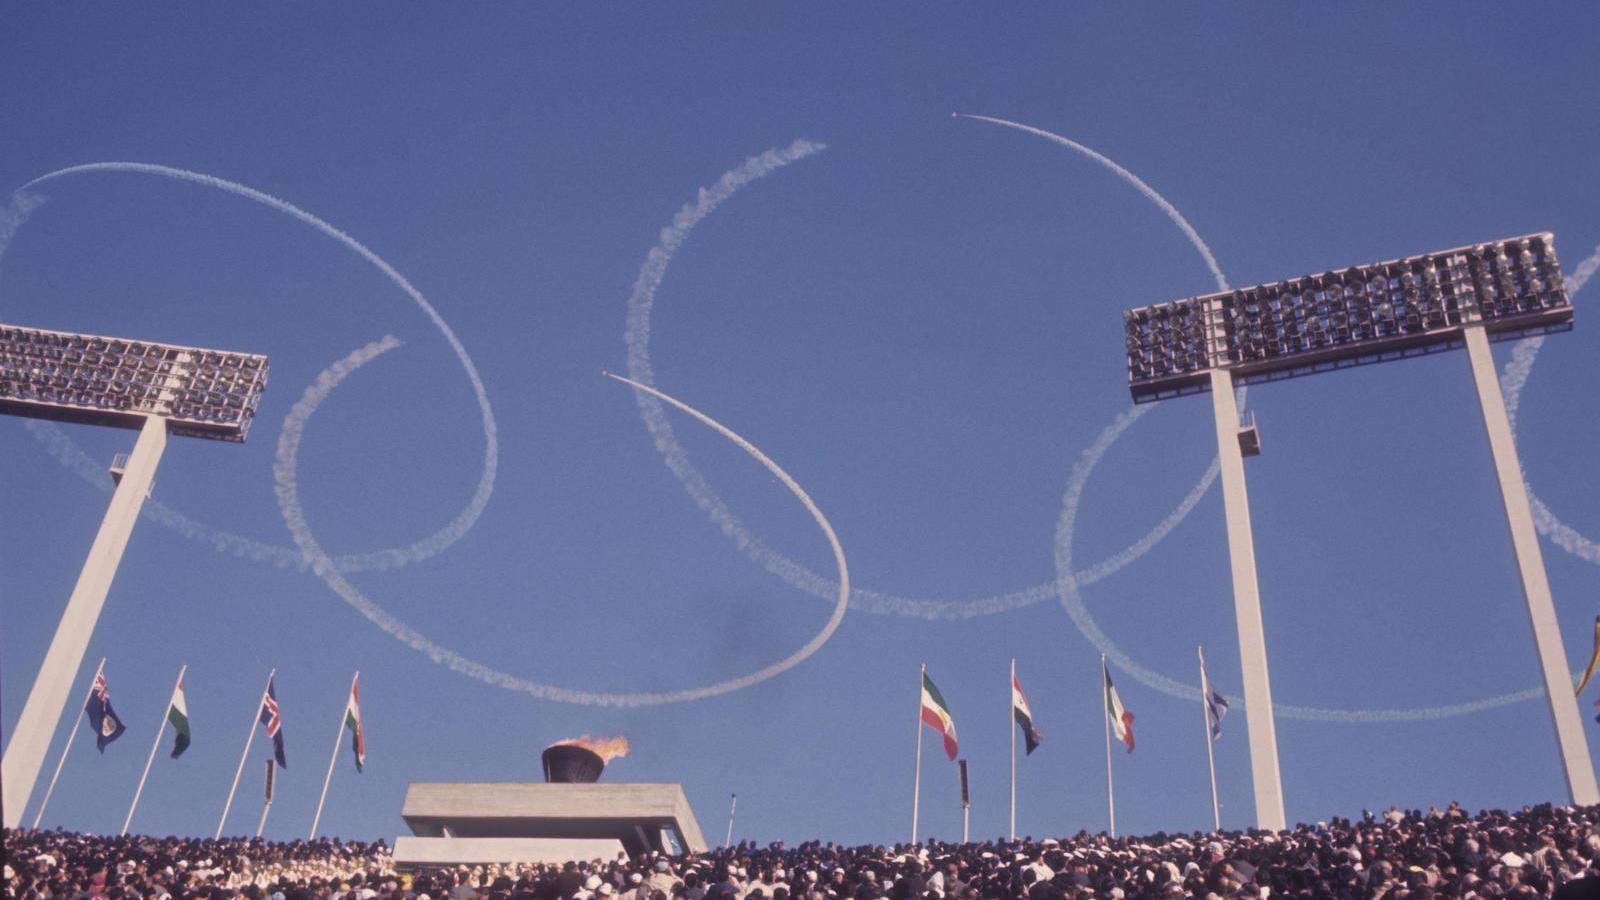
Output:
(570, 815)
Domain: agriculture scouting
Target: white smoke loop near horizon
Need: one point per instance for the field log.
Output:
(637, 336)
(64, 449)
(288, 492)
(1078, 612)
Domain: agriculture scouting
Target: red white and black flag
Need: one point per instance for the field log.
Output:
(1024, 716)
(273, 721)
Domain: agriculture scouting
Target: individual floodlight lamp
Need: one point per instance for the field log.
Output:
(1467, 296)
(153, 387)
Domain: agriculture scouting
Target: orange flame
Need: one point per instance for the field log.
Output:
(605, 748)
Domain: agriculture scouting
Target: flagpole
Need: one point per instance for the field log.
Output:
(70, 735)
(249, 736)
(966, 805)
(337, 736)
(265, 808)
(1205, 715)
(1105, 701)
(916, 785)
(1011, 714)
(733, 804)
(160, 729)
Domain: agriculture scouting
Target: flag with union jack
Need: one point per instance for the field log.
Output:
(272, 720)
(107, 724)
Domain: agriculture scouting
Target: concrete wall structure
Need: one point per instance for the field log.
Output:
(639, 817)
(421, 852)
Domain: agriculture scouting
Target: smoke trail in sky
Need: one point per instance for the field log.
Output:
(15, 213)
(285, 473)
(1526, 352)
(1512, 381)
(1145, 189)
(64, 449)
(1067, 585)
(641, 305)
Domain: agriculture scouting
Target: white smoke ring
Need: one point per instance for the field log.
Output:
(70, 455)
(1068, 583)
(1512, 380)
(288, 491)
(637, 337)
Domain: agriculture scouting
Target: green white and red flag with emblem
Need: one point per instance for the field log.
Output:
(936, 715)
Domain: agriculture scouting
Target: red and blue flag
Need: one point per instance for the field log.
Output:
(107, 725)
(272, 720)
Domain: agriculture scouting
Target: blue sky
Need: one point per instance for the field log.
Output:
(920, 323)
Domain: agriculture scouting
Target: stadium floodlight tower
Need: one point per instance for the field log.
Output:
(1364, 314)
(159, 389)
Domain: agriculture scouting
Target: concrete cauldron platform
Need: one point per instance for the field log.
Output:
(515, 821)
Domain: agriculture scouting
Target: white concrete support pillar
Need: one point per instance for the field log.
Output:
(1247, 609)
(48, 699)
(1574, 746)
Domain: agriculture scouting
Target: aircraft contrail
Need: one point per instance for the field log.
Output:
(1072, 602)
(67, 451)
(640, 307)
(284, 471)
(1526, 352)
(15, 213)
(1111, 164)
(1512, 380)
(1068, 583)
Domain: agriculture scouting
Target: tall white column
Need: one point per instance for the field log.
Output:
(1247, 609)
(1574, 746)
(48, 698)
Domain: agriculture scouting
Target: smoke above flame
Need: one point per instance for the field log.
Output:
(605, 748)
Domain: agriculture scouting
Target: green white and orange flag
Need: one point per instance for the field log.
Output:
(178, 715)
(352, 721)
(1594, 660)
(1121, 719)
(936, 715)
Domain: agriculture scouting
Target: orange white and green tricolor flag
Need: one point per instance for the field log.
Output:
(1121, 719)
(352, 721)
(936, 715)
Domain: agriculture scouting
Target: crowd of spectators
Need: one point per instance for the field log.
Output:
(1538, 852)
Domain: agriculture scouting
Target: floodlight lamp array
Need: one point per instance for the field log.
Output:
(1347, 317)
(112, 381)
